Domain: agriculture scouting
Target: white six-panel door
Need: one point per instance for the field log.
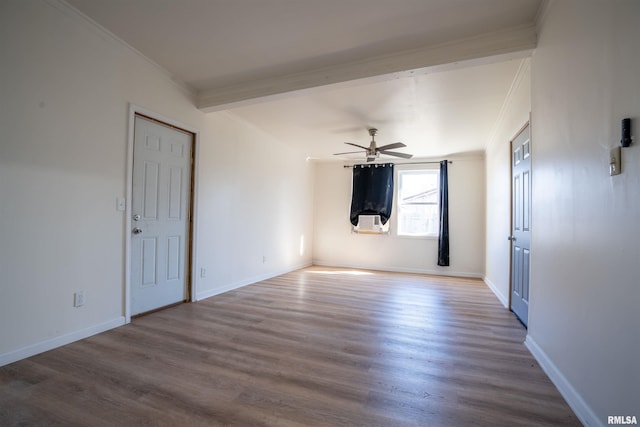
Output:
(521, 224)
(161, 199)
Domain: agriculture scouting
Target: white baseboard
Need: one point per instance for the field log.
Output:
(582, 410)
(248, 281)
(50, 344)
(503, 299)
(443, 272)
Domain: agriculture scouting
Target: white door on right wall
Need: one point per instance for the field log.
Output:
(520, 223)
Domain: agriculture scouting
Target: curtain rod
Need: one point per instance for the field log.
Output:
(400, 164)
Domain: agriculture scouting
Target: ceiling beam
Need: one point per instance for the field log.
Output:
(490, 47)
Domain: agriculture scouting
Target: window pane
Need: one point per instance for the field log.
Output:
(419, 187)
(418, 220)
(418, 212)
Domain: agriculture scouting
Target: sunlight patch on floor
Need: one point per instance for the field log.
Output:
(336, 272)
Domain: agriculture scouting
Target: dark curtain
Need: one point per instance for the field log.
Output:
(372, 192)
(443, 236)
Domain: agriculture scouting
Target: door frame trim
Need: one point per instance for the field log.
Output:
(516, 135)
(138, 110)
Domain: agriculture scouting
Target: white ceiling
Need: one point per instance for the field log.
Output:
(243, 55)
(433, 114)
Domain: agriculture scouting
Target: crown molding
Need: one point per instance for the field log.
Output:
(523, 68)
(515, 42)
(73, 13)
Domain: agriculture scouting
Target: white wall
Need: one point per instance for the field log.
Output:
(585, 272)
(255, 206)
(335, 245)
(64, 93)
(498, 163)
(65, 89)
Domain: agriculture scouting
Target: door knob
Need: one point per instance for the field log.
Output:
(137, 230)
(512, 238)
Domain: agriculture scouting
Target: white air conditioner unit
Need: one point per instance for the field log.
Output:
(369, 224)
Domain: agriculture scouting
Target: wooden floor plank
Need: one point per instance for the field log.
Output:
(319, 346)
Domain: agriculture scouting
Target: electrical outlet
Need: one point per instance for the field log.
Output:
(203, 272)
(78, 299)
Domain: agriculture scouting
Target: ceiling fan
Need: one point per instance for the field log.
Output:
(373, 152)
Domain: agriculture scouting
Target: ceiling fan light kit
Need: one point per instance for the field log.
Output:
(373, 152)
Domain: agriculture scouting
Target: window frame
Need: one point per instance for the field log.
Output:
(396, 217)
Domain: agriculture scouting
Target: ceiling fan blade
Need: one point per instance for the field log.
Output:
(356, 145)
(395, 153)
(392, 146)
(348, 152)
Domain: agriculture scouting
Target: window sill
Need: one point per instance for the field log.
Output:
(427, 237)
(371, 233)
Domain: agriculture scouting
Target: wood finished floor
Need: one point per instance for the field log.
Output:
(320, 346)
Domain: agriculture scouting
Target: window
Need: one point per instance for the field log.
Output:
(418, 210)
(372, 197)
